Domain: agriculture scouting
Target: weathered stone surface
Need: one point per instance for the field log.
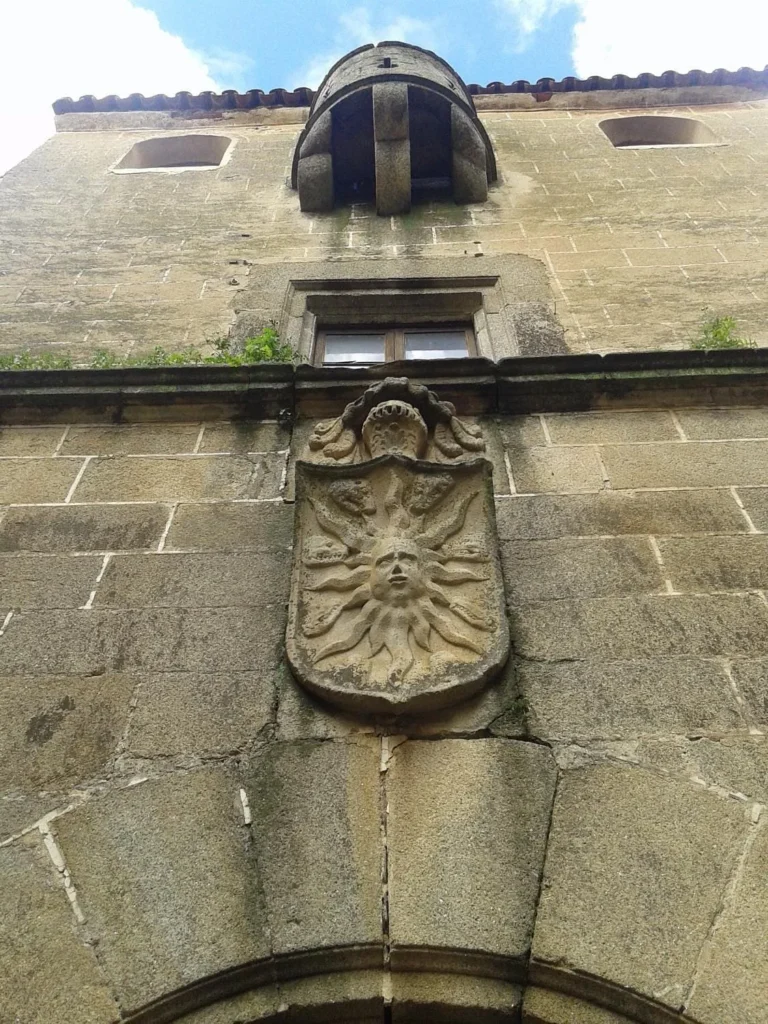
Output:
(622, 699)
(521, 431)
(57, 732)
(417, 996)
(716, 563)
(31, 480)
(723, 423)
(49, 974)
(611, 427)
(83, 528)
(549, 516)
(194, 580)
(158, 640)
(733, 973)
(185, 712)
(642, 627)
(696, 464)
(738, 764)
(549, 570)
(475, 811)
(752, 680)
(242, 437)
(39, 581)
(636, 870)
(181, 478)
(232, 527)
(29, 440)
(541, 1006)
(538, 470)
(317, 842)
(138, 439)
(755, 501)
(165, 882)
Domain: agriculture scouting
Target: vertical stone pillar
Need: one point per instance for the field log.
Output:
(393, 149)
(470, 180)
(315, 173)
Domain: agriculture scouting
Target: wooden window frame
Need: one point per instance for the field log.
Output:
(394, 340)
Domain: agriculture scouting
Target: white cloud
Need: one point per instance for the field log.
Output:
(528, 16)
(614, 37)
(357, 28)
(51, 49)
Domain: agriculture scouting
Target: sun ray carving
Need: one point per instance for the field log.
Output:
(408, 586)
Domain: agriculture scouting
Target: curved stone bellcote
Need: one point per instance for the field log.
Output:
(391, 122)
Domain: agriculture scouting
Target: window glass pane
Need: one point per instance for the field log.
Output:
(354, 348)
(435, 345)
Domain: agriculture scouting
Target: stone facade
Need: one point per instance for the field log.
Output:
(188, 834)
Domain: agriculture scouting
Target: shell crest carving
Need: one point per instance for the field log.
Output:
(397, 600)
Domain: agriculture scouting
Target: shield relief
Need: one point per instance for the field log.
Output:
(397, 598)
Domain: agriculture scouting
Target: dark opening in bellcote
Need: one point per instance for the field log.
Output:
(391, 124)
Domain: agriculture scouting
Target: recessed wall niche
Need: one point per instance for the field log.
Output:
(172, 153)
(645, 131)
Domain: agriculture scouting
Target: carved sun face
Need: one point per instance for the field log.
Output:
(396, 573)
(399, 594)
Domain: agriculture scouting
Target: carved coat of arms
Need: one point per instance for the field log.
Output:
(397, 600)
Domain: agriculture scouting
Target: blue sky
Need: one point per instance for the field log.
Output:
(250, 40)
(55, 48)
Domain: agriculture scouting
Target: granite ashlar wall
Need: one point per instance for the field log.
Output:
(635, 242)
(173, 806)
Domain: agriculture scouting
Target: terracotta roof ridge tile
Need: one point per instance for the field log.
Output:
(302, 96)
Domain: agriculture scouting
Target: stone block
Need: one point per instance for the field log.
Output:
(170, 580)
(637, 867)
(537, 470)
(549, 570)
(723, 423)
(737, 763)
(755, 501)
(231, 527)
(733, 973)
(475, 811)
(83, 528)
(165, 882)
(726, 625)
(28, 481)
(613, 513)
(317, 841)
(29, 440)
(542, 1006)
(181, 478)
(58, 731)
(696, 464)
(215, 713)
(49, 974)
(42, 581)
(752, 680)
(461, 999)
(131, 439)
(521, 431)
(158, 640)
(716, 563)
(243, 437)
(611, 427)
(592, 700)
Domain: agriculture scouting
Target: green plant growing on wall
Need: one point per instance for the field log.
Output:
(719, 332)
(264, 347)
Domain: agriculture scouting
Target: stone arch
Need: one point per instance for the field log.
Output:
(388, 123)
(649, 130)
